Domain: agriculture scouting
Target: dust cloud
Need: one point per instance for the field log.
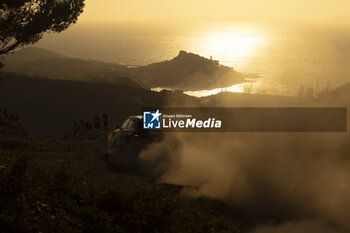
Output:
(282, 182)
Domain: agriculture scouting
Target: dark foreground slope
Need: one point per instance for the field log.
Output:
(67, 186)
(49, 107)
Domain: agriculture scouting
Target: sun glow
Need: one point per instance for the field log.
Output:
(232, 46)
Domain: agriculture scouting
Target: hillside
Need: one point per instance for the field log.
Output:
(30, 54)
(48, 64)
(49, 107)
(187, 71)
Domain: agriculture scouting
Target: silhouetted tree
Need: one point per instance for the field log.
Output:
(23, 22)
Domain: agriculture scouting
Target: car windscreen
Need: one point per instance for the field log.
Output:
(125, 124)
(132, 123)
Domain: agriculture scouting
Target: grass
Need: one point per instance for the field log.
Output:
(68, 186)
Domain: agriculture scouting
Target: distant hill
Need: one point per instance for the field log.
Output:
(30, 54)
(49, 107)
(48, 64)
(187, 71)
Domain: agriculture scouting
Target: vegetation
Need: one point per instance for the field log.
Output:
(315, 90)
(23, 22)
(12, 128)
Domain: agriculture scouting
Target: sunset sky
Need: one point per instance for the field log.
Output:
(179, 10)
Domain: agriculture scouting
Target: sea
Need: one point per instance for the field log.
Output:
(277, 59)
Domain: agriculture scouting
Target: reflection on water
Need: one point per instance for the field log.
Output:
(251, 87)
(284, 57)
(246, 87)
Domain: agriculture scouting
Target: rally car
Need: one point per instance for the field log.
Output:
(126, 142)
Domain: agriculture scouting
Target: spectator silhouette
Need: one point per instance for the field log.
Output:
(105, 120)
(17, 118)
(5, 113)
(76, 127)
(97, 122)
(82, 126)
(88, 126)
